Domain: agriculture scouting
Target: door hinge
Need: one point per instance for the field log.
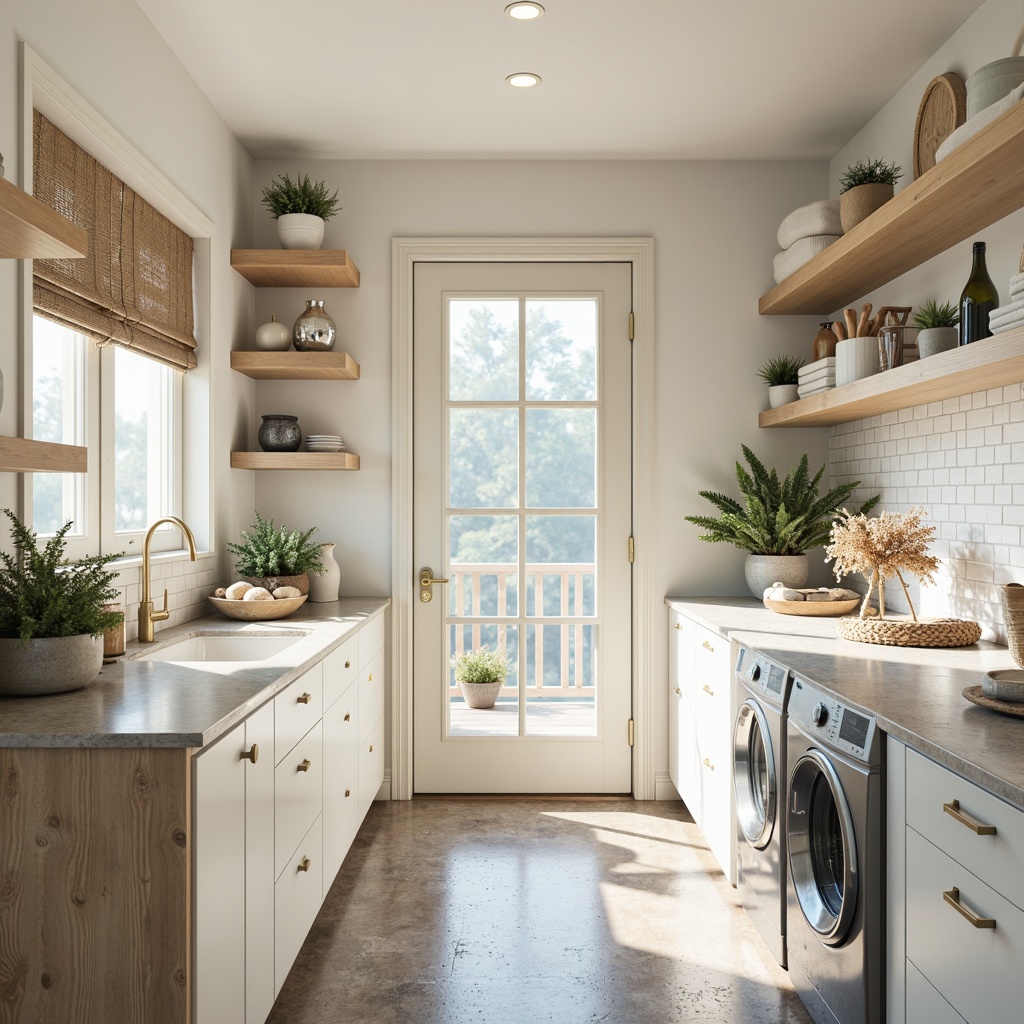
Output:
(631, 732)
(632, 551)
(631, 322)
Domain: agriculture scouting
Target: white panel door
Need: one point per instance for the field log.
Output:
(522, 502)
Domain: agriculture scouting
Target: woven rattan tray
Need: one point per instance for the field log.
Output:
(821, 608)
(907, 633)
(976, 695)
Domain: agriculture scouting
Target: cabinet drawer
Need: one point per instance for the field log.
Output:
(924, 1004)
(713, 708)
(296, 708)
(717, 818)
(298, 794)
(341, 669)
(297, 897)
(711, 652)
(371, 767)
(341, 818)
(341, 733)
(977, 970)
(997, 859)
(371, 640)
(371, 694)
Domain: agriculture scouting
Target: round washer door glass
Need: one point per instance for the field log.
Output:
(822, 851)
(754, 777)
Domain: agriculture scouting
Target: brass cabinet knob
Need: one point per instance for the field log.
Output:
(676, 625)
(369, 678)
(348, 716)
(252, 754)
(348, 664)
(304, 864)
(708, 764)
(371, 748)
(348, 792)
(680, 692)
(304, 699)
(707, 646)
(707, 689)
(304, 767)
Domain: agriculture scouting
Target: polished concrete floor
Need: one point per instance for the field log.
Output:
(484, 911)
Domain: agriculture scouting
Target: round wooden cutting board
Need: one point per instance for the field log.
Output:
(943, 108)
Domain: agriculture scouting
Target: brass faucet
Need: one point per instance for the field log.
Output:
(147, 614)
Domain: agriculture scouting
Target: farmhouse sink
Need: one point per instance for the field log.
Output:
(222, 648)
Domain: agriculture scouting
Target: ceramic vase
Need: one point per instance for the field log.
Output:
(324, 587)
(856, 358)
(314, 329)
(762, 571)
(273, 336)
(824, 344)
(49, 664)
(861, 201)
(280, 433)
(300, 231)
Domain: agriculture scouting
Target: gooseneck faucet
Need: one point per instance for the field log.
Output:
(147, 614)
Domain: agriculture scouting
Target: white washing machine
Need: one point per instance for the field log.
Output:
(759, 778)
(835, 821)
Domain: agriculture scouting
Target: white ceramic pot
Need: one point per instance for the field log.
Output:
(49, 665)
(762, 571)
(782, 394)
(273, 336)
(324, 587)
(481, 695)
(856, 358)
(932, 340)
(300, 231)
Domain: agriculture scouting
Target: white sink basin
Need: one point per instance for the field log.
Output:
(222, 648)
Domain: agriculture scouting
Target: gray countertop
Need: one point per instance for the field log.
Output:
(916, 693)
(166, 704)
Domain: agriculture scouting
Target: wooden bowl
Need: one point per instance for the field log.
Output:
(257, 611)
(822, 609)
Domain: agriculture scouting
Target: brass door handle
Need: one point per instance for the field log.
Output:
(304, 864)
(953, 899)
(708, 764)
(707, 689)
(252, 754)
(427, 580)
(305, 765)
(304, 698)
(707, 646)
(977, 827)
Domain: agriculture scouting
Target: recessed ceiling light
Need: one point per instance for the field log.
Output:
(523, 80)
(525, 10)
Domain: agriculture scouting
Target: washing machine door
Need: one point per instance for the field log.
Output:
(754, 775)
(822, 847)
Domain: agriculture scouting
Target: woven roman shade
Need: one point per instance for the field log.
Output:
(134, 288)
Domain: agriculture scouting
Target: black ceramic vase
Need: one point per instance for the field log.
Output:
(279, 433)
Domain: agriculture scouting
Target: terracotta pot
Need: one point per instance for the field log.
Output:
(271, 583)
(861, 201)
(49, 665)
(481, 695)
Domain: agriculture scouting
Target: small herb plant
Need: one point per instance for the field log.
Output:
(481, 666)
(283, 196)
(869, 172)
(44, 595)
(781, 370)
(931, 314)
(266, 551)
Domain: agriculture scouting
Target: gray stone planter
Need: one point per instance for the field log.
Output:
(49, 665)
(762, 571)
(481, 695)
(933, 340)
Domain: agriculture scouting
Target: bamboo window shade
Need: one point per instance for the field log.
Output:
(134, 288)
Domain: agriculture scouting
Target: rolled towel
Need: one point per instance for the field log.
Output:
(982, 119)
(1014, 321)
(820, 218)
(1017, 286)
(800, 252)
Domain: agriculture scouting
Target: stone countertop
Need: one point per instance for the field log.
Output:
(916, 693)
(166, 704)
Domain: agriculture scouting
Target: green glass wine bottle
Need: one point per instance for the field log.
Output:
(978, 299)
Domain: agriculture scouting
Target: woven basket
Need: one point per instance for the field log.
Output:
(907, 633)
(1012, 597)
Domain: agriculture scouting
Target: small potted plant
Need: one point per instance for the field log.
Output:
(864, 187)
(300, 207)
(779, 521)
(782, 375)
(52, 614)
(939, 327)
(481, 674)
(269, 557)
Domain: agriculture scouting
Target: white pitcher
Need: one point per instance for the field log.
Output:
(324, 587)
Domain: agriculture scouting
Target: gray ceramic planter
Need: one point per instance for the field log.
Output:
(481, 695)
(49, 665)
(762, 571)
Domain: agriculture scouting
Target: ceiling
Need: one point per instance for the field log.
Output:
(622, 79)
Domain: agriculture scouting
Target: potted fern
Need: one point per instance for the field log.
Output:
(301, 208)
(864, 187)
(481, 674)
(939, 327)
(271, 558)
(782, 375)
(52, 615)
(778, 521)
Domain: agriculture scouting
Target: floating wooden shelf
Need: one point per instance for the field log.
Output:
(977, 184)
(29, 229)
(296, 365)
(296, 268)
(294, 460)
(23, 455)
(990, 363)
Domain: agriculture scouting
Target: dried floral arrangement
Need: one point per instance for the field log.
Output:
(888, 545)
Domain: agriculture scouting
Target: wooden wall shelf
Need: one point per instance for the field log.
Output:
(977, 184)
(990, 363)
(296, 365)
(294, 460)
(23, 455)
(29, 229)
(296, 268)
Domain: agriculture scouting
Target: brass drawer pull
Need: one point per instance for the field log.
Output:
(304, 767)
(953, 899)
(304, 699)
(953, 810)
(676, 625)
(348, 716)
(348, 664)
(348, 792)
(371, 748)
(708, 764)
(304, 864)
(370, 678)
(707, 646)
(252, 754)
(680, 692)
(707, 689)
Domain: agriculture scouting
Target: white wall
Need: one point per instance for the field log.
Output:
(961, 459)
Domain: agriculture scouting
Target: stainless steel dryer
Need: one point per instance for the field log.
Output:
(835, 821)
(759, 778)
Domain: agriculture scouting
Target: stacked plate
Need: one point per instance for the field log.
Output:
(324, 443)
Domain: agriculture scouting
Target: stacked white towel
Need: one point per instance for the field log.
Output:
(1006, 318)
(980, 120)
(816, 377)
(805, 233)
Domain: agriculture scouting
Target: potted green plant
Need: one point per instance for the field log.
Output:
(52, 615)
(782, 375)
(778, 522)
(300, 207)
(271, 558)
(864, 187)
(939, 327)
(481, 674)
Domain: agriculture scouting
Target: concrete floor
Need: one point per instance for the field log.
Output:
(484, 911)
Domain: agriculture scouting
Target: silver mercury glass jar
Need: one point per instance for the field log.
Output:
(314, 329)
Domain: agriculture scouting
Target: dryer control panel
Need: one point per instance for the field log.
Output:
(828, 720)
(762, 676)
